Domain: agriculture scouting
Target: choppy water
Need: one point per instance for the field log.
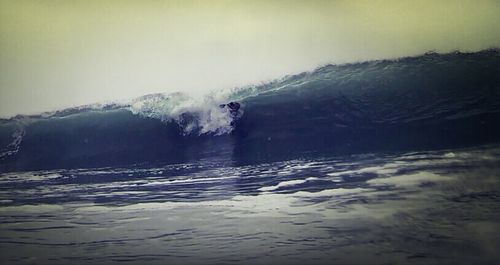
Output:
(435, 207)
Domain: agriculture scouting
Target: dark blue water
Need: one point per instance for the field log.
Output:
(439, 207)
(383, 162)
(433, 101)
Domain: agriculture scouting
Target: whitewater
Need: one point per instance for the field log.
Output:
(379, 162)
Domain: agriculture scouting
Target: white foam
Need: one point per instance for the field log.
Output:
(286, 183)
(332, 192)
(194, 114)
(409, 180)
(450, 155)
(381, 170)
(39, 208)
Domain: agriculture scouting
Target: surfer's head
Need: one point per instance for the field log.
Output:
(233, 106)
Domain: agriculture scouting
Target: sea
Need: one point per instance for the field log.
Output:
(380, 162)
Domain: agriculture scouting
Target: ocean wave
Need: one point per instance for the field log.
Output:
(430, 101)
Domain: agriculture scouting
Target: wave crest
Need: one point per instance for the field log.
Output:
(195, 115)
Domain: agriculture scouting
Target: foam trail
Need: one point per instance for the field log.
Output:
(13, 147)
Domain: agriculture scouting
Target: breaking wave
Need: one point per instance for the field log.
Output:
(202, 115)
(430, 101)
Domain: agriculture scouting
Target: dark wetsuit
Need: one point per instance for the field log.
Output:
(233, 109)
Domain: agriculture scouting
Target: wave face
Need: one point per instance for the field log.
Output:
(432, 101)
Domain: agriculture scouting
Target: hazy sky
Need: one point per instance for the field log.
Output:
(56, 54)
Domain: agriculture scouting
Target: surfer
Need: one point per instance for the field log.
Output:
(233, 108)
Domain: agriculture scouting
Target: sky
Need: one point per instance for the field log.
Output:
(56, 54)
